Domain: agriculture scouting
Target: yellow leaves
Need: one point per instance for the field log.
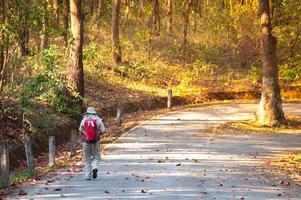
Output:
(290, 164)
(292, 126)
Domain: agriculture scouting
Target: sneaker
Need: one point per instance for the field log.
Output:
(94, 173)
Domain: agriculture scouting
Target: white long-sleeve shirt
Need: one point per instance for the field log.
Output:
(99, 123)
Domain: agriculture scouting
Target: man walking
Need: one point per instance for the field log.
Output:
(91, 128)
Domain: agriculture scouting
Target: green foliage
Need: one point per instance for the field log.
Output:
(255, 74)
(289, 73)
(22, 15)
(23, 176)
(204, 69)
(47, 86)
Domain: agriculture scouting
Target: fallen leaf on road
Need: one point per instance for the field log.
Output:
(285, 183)
(21, 192)
(267, 161)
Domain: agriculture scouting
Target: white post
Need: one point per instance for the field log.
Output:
(29, 154)
(169, 99)
(73, 143)
(51, 151)
(118, 117)
(4, 164)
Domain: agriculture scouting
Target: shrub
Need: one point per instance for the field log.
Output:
(48, 85)
(255, 74)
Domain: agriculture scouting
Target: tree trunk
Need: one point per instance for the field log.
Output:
(44, 33)
(91, 6)
(169, 14)
(141, 6)
(223, 4)
(66, 20)
(185, 30)
(270, 108)
(115, 32)
(24, 41)
(156, 17)
(196, 13)
(127, 12)
(99, 7)
(149, 43)
(2, 39)
(23, 29)
(293, 46)
(56, 10)
(76, 74)
(1, 67)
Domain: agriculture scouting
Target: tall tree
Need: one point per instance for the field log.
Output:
(24, 15)
(169, 14)
(185, 29)
(92, 4)
(76, 73)
(270, 107)
(44, 32)
(2, 42)
(66, 20)
(115, 32)
(99, 7)
(197, 13)
(127, 12)
(56, 10)
(156, 17)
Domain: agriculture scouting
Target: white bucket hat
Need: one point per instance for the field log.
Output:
(91, 110)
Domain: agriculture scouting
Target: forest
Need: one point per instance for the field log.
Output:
(58, 57)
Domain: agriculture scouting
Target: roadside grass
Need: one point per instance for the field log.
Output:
(290, 164)
(22, 176)
(292, 126)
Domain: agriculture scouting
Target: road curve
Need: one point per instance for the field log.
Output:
(178, 156)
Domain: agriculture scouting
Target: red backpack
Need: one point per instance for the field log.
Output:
(90, 130)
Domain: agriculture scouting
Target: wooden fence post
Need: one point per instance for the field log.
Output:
(4, 164)
(118, 117)
(29, 154)
(51, 151)
(169, 99)
(73, 143)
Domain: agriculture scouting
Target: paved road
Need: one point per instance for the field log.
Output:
(176, 156)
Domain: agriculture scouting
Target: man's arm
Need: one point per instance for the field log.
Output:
(101, 126)
(81, 127)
